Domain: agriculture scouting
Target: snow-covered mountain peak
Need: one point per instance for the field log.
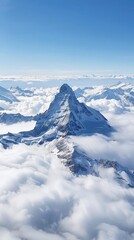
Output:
(66, 89)
(66, 115)
(65, 99)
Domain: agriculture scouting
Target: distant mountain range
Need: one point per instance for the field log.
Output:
(122, 92)
(17, 91)
(7, 96)
(121, 95)
(10, 118)
(67, 117)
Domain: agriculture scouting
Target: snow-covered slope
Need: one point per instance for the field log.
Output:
(107, 94)
(7, 96)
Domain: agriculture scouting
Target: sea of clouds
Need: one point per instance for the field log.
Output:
(18, 127)
(42, 97)
(41, 200)
(118, 147)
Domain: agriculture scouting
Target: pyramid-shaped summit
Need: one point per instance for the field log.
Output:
(67, 116)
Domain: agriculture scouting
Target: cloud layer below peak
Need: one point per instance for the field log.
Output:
(40, 199)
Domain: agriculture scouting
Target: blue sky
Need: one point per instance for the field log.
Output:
(66, 35)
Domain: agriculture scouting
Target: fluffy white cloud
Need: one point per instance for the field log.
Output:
(112, 232)
(104, 105)
(33, 105)
(118, 147)
(18, 127)
(40, 199)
